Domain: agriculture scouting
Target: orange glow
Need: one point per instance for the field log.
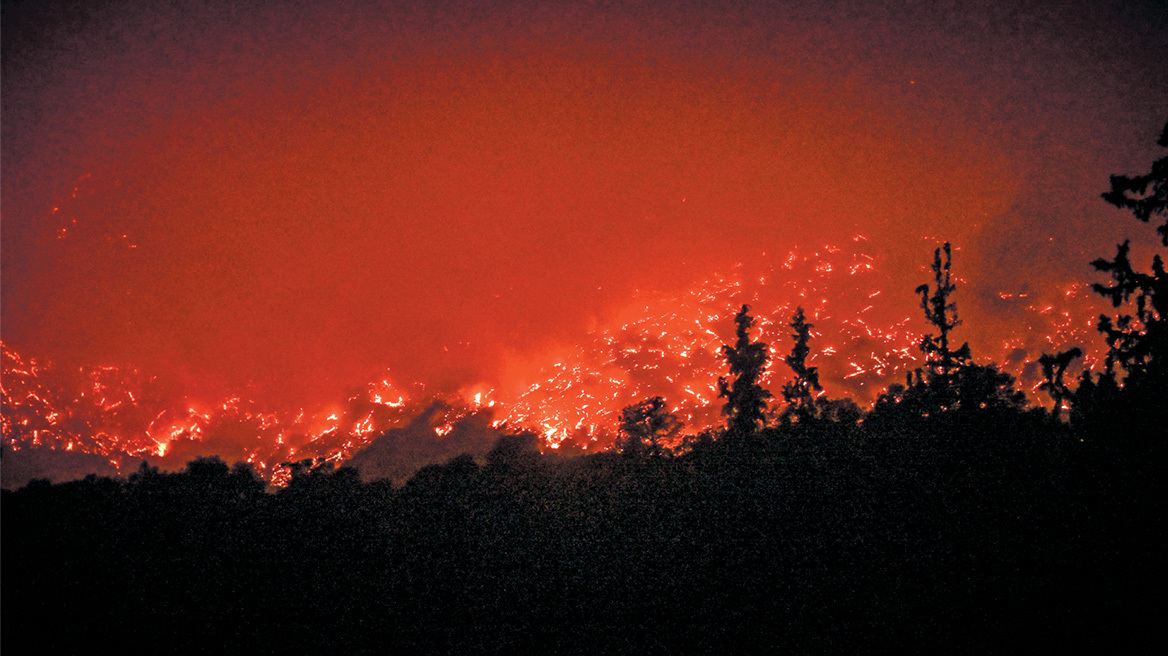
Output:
(669, 348)
(225, 229)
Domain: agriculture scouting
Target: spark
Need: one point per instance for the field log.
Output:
(672, 350)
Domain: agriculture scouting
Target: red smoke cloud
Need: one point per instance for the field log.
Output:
(286, 200)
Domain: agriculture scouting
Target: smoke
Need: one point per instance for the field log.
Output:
(18, 469)
(400, 452)
(281, 202)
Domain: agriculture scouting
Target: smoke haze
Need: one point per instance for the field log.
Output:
(290, 198)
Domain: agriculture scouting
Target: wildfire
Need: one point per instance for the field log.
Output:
(862, 341)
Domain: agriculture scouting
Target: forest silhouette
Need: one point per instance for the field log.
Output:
(955, 515)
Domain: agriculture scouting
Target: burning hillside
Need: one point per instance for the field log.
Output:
(661, 346)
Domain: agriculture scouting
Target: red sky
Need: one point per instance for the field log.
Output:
(300, 194)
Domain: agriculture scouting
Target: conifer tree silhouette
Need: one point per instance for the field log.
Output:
(800, 392)
(746, 400)
(1138, 342)
(1144, 205)
(646, 425)
(940, 360)
(951, 383)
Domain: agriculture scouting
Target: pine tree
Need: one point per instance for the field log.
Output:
(941, 361)
(1138, 343)
(646, 426)
(746, 400)
(1144, 205)
(800, 392)
(951, 383)
(1135, 343)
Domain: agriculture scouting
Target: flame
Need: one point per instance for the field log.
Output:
(670, 348)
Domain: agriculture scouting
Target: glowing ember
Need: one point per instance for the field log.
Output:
(670, 349)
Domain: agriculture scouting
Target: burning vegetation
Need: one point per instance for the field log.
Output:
(671, 349)
(952, 515)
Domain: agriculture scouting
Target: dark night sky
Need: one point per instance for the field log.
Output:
(310, 192)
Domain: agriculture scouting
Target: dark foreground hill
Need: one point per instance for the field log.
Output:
(824, 540)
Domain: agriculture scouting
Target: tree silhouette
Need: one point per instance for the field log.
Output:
(1053, 369)
(940, 360)
(302, 469)
(1095, 403)
(646, 426)
(800, 392)
(746, 400)
(839, 411)
(985, 390)
(1144, 205)
(951, 382)
(1138, 343)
